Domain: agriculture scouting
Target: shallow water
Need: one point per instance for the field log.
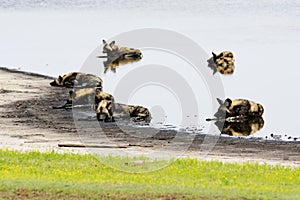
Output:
(55, 37)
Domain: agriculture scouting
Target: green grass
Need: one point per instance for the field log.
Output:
(85, 176)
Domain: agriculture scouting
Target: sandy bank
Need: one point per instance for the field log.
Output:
(27, 122)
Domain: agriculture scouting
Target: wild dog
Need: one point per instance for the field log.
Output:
(105, 104)
(233, 110)
(77, 80)
(95, 98)
(237, 110)
(80, 97)
(222, 62)
(131, 112)
(139, 113)
(102, 102)
(135, 113)
(118, 55)
(241, 128)
(238, 117)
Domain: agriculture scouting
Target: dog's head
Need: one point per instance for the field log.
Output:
(105, 111)
(57, 82)
(107, 47)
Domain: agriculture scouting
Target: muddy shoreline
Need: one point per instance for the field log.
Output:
(27, 122)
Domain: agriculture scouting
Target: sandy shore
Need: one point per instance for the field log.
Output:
(28, 122)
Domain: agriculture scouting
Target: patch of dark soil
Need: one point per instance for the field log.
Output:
(38, 112)
(37, 195)
(25, 194)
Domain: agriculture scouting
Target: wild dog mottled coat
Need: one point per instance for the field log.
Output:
(105, 106)
(119, 55)
(222, 62)
(102, 102)
(77, 79)
(238, 108)
(136, 113)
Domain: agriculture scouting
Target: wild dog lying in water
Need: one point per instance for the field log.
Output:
(241, 128)
(105, 106)
(238, 117)
(118, 55)
(223, 62)
(239, 109)
(77, 79)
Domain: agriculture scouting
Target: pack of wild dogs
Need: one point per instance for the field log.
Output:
(239, 117)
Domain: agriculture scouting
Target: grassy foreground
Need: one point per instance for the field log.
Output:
(35, 175)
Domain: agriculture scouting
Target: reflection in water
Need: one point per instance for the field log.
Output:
(242, 128)
(222, 62)
(118, 55)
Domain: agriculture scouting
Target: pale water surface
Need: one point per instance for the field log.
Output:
(55, 37)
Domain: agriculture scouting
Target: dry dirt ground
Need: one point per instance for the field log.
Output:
(28, 122)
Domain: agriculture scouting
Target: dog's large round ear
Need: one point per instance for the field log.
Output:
(60, 78)
(104, 42)
(112, 43)
(214, 56)
(220, 101)
(112, 99)
(108, 104)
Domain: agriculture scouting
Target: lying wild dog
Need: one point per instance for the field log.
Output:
(118, 55)
(236, 110)
(136, 113)
(112, 50)
(80, 97)
(223, 62)
(242, 128)
(94, 98)
(77, 79)
(105, 106)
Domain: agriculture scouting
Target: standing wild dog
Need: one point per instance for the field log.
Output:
(223, 62)
(239, 109)
(118, 55)
(242, 128)
(77, 79)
